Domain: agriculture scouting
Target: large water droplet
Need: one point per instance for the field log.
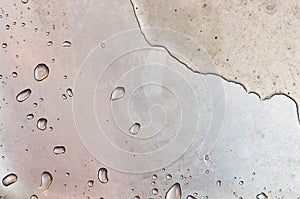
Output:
(34, 196)
(42, 124)
(67, 44)
(9, 179)
(174, 192)
(23, 95)
(46, 180)
(103, 175)
(117, 93)
(262, 195)
(135, 128)
(41, 72)
(59, 150)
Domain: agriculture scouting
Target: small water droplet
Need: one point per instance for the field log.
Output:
(154, 191)
(117, 93)
(14, 74)
(41, 72)
(219, 183)
(190, 197)
(135, 128)
(270, 7)
(34, 196)
(46, 180)
(59, 150)
(103, 175)
(241, 182)
(4, 45)
(30, 116)
(42, 124)
(24, 1)
(67, 44)
(174, 192)
(49, 43)
(64, 96)
(9, 179)
(136, 197)
(23, 95)
(262, 195)
(70, 92)
(102, 45)
(154, 177)
(169, 176)
(90, 183)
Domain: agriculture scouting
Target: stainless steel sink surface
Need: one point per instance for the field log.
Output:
(99, 102)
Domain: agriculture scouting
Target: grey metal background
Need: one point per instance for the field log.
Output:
(241, 146)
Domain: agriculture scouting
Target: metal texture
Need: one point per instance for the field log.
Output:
(114, 117)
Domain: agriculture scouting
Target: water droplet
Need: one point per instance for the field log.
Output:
(7, 27)
(262, 195)
(206, 157)
(117, 93)
(49, 43)
(67, 44)
(46, 180)
(30, 116)
(270, 7)
(90, 183)
(42, 124)
(9, 179)
(59, 150)
(174, 192)
(64, 96)
(135, 128)
(4, 45)
(169, 176)
(14, 74)
(154, 177)
(24, 1)
(136, 197)
(190, 197)
(23, 95)
(103, 175)
(155, 191)
(34, 196)
(241, 182)
(41, 72)
(70, 92)
(219, 183)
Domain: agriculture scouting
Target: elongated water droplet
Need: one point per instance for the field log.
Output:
(64, 96)
(41, 72)
(46, 180)
(30, 116)
(190, 197)
(103, 175)
(135, 128)
(23, 95)
(117, 93)
(42, 124)
(219, 183)
(67, 44)
(34, 196)
(262, 195)
(70, 92)
(174, 192)
(59, 150)
(9, 179)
